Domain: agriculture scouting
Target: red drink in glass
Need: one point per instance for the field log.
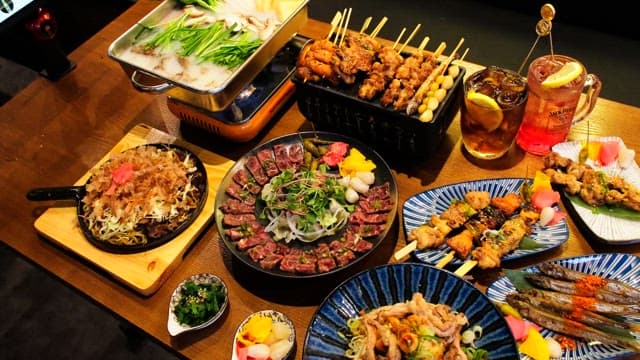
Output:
(550, 112)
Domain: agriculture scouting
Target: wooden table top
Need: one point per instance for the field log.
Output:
(55, 131)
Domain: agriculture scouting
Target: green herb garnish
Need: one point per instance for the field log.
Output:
(198, 303)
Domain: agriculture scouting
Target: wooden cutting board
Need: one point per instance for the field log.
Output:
(145, 271)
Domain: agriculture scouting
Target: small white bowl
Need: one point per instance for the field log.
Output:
(283, 348)
(173, 325)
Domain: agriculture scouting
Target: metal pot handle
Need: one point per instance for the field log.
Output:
(135, 80)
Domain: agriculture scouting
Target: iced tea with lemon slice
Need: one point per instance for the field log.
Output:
(492, 111)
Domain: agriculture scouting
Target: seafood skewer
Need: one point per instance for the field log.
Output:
(560, 272)
(570, 327)
(573, 288)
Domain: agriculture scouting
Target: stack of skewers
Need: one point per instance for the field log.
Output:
(414, 83)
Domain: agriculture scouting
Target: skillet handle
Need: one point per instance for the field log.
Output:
(56, 193)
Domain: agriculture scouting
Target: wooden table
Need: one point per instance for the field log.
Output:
(55, 131)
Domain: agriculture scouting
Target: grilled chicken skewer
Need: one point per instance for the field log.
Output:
(570, 327)
(563, 273)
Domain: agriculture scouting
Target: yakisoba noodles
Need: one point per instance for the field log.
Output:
(414, 329)
(141, 194)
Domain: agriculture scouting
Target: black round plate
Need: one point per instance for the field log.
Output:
(382, 173)
(154, 242)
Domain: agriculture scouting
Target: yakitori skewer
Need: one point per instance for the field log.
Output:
(334, 23)
(422, 90)
(366, 24)
(377, 29)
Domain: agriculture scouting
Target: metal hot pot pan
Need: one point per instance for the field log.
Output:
(212, 99)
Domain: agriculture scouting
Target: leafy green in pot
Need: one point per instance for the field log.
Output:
(215, 43)
(198, 302)
(207, 4)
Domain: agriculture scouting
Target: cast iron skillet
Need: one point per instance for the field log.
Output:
(77, 193)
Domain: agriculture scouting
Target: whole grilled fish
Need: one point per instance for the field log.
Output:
(563, 273)
(570, 327)
(593, 304)
(571, 311)
(573, 288)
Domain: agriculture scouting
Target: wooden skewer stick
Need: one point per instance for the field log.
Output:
(339, 28)
(465, 268)
(334, 23)
(346, 26)
(464, 54)
(366, 24)
(375, 31)
(439, 50)
(446, 259)
(399, 37)
(423, 44)
(405, 251)
(413, 33)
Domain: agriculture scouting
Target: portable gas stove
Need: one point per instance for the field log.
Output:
(256, 105)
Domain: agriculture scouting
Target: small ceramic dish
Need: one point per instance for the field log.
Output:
(266, 334)
(173, 325)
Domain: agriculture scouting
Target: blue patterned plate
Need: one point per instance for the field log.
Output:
(393, 283)
(622, 267)
(417, 210)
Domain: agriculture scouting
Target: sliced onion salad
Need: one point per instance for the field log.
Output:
(311, 204)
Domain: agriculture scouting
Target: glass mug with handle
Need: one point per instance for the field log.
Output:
(556, 83)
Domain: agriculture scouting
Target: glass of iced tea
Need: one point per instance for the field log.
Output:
(492, 110)
(556, 83)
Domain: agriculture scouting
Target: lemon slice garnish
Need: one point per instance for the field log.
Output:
(567, 73)
(484, 110)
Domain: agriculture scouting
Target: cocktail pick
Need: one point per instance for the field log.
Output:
(543, 28)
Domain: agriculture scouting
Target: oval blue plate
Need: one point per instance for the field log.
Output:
(417, 210)
(622, 267)
(393, 283)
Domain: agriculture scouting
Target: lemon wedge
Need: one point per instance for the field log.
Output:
(484, 110)
(567, 73)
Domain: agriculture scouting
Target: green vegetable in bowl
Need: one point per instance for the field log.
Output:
(198, 302)
(207, 4)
